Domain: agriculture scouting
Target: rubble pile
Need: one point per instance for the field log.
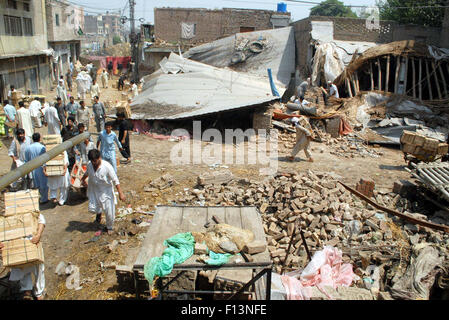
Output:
(329, 215)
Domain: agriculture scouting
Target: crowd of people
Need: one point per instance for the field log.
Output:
(68, 118)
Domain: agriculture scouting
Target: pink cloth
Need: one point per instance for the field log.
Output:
(325, 269)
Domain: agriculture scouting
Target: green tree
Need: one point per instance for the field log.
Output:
(332, 8)
(426, 13)
(116, 39)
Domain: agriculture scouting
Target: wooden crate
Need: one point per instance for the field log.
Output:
(419, 140)
(55, 171)
(51, 139)
(123, 106)
(408, 137)
(21, 202)
(408, 148)
(431, 144)
(21, 252)
(56, 161)
(124, 97)
(18, 226)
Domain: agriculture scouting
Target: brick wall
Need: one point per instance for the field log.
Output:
(210, 24)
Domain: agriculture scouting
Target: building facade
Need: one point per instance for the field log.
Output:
(197, 25)
(24, 54)
(100, 31)
(65, 24)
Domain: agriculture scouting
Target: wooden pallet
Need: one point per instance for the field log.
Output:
(22, 252)
(18, 226)
(21, 202)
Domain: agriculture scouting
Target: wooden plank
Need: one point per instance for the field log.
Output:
(396, 76)
(413, 76)
(379, 74)
(252, 220)
(443, 78)
(428, 80)
(354, 85)
(405, 75)
(387, 79)
(434, 71)
(348, 87)
(371, 75)
(193, 220)
(357, 81)
(161, 228)
(219, 212)
(420, 80)
(51, 139)
(233, 216)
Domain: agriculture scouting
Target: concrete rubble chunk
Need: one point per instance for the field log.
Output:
(255, 247)
(216, 177)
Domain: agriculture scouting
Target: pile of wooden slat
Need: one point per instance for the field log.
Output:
(420, 145)
(54, 167)
(18, 223)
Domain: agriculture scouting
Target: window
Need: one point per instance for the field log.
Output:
(26, 6)
(13, 26)
(28, 26)
(12, 4)
(57, 20)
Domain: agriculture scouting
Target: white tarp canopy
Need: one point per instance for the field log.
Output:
(331, 58)
(183, 88)
(278, 53)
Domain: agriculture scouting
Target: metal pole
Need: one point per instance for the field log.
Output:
(134, 40)
(23, 170)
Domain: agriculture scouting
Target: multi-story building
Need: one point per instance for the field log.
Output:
(24, 54)
(100, 31)
(65, 23)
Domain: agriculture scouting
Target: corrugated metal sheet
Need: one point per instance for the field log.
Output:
(184, 89)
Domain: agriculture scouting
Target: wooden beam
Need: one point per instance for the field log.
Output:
(357, 81)
(371, 75)
(405, 75)
(379, 74)
(387, 79)
(420, 80)
(440, 68)
(434, 71)
(414, 76)
(396, 76)
(428, 80)
(348, 87)
(354, 85)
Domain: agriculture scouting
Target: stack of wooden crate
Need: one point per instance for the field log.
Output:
(123, 106)
(18, 224)
(15, 98)
(54, 167)
(420, 145)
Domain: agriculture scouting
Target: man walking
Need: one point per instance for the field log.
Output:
(95, 89)
(100, 191)
(39, 179)
(106, 140)
(99, 113)
(10, 112)
(83, 115)
(24, 119)
(61, 91)
(62, 113)
(67, 133)
(61, 183)
(124, 131)
(72, 107)
(304, 135)
(52, 120)
(35, 111)
(17, 153)
(104, 79)
(68, 77)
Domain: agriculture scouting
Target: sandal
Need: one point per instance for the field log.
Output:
(27, 296)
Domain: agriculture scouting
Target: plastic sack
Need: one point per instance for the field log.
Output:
(218, 259)
(180, 247)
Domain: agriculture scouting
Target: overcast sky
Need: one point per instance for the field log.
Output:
(144, 8)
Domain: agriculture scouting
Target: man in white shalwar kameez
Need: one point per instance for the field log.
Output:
(24, 119)
(61, 92)
(83, 82)
(35, 111)
(61, 183)
(24, 275)
(100, 191)
(52, 120)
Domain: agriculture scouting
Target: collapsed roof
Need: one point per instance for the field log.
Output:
(403, 67)
(252, 53)
(183, 88)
